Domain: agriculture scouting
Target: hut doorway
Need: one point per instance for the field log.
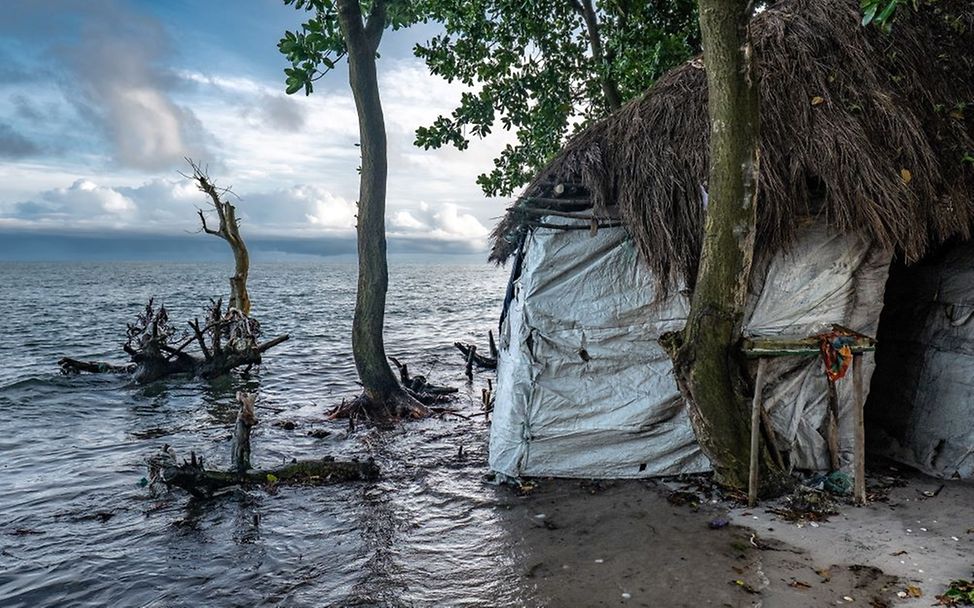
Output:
(920, 409)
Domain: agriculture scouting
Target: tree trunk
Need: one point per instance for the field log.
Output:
(706, 356)
(229, 231)
(362, 41)
(239, 296)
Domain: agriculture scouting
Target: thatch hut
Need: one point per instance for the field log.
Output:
(866, 189)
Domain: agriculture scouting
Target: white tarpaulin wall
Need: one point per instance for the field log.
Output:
(922, 412)
(585, 390)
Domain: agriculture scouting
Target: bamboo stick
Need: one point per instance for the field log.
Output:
(859, 487)
(752, 485)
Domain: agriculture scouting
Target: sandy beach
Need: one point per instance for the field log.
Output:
(651, 543)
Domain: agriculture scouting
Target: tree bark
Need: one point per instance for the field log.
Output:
(362, 41)
(706, 357)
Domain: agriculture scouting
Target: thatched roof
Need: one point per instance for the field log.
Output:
(866, 128)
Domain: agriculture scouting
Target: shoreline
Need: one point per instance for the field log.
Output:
(648, 543)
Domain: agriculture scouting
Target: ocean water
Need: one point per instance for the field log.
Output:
(77, 529)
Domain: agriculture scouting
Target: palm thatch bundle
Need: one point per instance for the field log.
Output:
(872, 130)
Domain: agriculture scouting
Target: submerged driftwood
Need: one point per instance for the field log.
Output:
(193, 477)
(419, 388)
(472, 357)
(228, 340)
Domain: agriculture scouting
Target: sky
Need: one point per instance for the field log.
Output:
(100, 101)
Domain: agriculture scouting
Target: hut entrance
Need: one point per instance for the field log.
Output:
(921, 403)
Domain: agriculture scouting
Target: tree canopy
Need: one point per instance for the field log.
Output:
(540, 68)
(546, 68)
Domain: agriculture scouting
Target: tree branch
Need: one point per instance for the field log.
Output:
(586, 9)
(375, 25)
(199, 337)
(206, 228)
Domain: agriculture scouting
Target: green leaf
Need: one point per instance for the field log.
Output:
(884, 16)
(869, 13)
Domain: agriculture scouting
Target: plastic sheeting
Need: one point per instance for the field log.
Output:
(585, 390)
(922, 406)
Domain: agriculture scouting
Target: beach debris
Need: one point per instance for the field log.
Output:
(681, 498)
(472, 358)
(958, 593)
(420, 388)
(717, 523)
(839, 483)
(805, 505)
(797, 584)
(742, 584)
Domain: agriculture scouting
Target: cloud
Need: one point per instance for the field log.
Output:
(298, 212)
(15, 145)
(120, 83)
(25, 109)
(445, 222)
(298, 209)
(280, 112)
(112, 119)
(84, 201)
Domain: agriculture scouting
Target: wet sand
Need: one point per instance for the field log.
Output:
(625, 543)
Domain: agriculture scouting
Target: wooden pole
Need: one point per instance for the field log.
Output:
(832, 430)
(859, 486)
(246, 419)
(756, 406)
(470, 356)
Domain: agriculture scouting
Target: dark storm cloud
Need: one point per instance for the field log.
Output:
(13, 145)
(116, 245)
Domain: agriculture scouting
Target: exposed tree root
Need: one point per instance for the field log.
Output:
(228, 340)
(415, 398)
(396, 406)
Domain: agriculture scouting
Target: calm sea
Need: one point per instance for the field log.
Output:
(77, 529)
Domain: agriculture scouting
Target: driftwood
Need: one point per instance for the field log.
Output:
(193, 477)
(228, 340)
(420, 389)
(471, 356)
(74, 366)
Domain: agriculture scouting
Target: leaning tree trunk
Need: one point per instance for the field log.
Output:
(228, 230)
(362, 40)
(706, 358)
